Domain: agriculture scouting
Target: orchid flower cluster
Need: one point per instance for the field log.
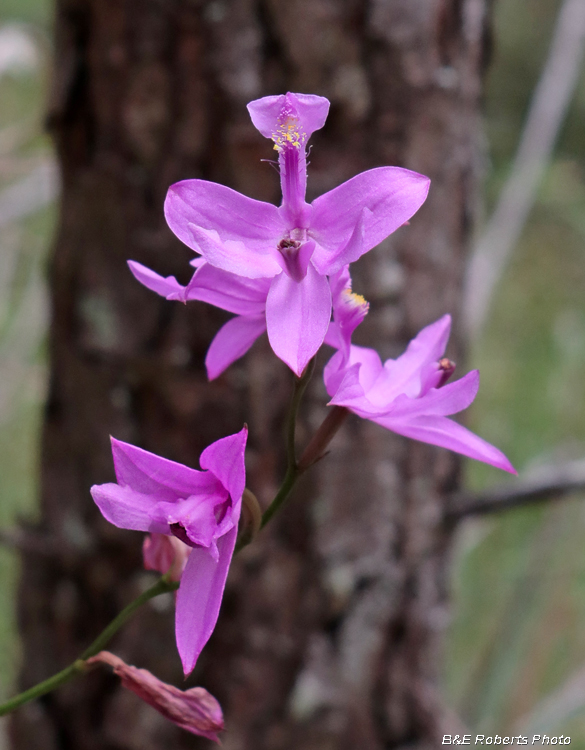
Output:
(284, 271)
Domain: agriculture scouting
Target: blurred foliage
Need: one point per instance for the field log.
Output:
(23, 248)
(518, 632)
(27, 11)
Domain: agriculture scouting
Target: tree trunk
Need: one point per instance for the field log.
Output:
(330, 630)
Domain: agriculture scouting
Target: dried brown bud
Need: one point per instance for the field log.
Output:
(195, 710)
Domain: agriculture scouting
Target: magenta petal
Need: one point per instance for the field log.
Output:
(427, 346)
(199, 598)
(334, 336)
(339, 281)
(233, 255)
(234, 216)
(167, 286)
(371, 366)
(128, 509)
(312, 111)
(449, 399)
(406, 374)
(297, 317)
(329, 263)
(343, 384)
(295, 261)
(231, 342)
(225, 459)
(266, 113)
(230, 292)
(149, 474)
(392, 195)
(446, 433)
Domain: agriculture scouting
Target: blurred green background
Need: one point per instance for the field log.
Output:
(24, 244)
(515, 653)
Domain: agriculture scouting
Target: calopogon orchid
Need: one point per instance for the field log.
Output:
(408, 395)
(296, 246)
(201, 508)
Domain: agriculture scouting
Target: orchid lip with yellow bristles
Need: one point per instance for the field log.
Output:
(288, 133)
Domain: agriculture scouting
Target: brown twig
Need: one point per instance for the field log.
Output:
(547, 483)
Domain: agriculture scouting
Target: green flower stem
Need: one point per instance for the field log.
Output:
(290, 478)
(162, 586)
(292, 469)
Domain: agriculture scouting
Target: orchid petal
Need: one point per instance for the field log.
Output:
(347, 379)
(212, 206)
(339, 281)
(342, 384)
(231, 342)
(199, 598)
(371, 364)
(196, 518)
(405, 374)
(446, 433)
(444, 401)
(295, 261)
(236, 294)
(427, 346)
(392, 195)
(167, 286)
(149, 474)
(334, 336)
(233, 255)
(310, 110)
(329, 263)
(128, 509)
(225, 459)
(297, 317)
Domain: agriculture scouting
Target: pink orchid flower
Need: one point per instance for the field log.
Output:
(407, 395)
(298, 245)
(201, 508)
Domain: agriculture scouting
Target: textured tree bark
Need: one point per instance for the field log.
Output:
(330, 632)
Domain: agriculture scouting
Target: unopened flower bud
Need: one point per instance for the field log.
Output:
(436, 374)
(194, 710)
(446, 369)
(167, 554)
(251, 518)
